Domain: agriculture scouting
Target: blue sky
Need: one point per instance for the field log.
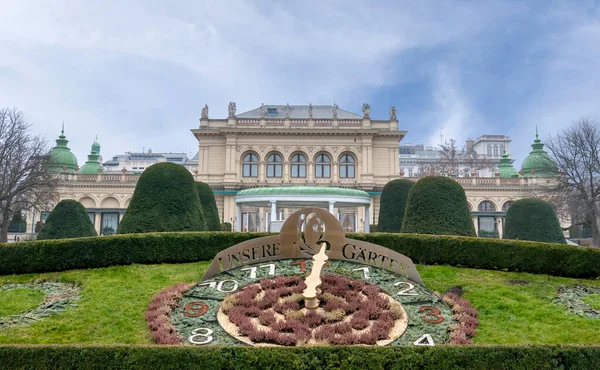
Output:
(137, 73)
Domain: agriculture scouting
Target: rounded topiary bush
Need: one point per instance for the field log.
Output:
(532, 219)
(393, 204)
(165, 199)
(209, 206)
(67, 220)
(437, 205)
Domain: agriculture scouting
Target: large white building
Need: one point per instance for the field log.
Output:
(269, 161)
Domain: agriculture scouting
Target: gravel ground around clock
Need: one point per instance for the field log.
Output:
(514, 308)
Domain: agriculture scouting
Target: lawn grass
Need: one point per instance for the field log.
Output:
(593, 300)
(15, 301)
(113, 302)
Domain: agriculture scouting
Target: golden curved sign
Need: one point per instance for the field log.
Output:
(301, 236)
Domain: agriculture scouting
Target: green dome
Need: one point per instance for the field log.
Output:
(93, 165)
(538, 162)
(506, 169)
(61, 158)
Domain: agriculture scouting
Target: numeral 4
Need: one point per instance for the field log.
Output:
(425, 340)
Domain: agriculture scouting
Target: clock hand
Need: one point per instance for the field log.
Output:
(313, 280)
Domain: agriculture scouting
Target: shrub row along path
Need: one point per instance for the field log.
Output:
(514, 308)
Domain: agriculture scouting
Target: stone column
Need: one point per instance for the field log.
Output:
(476, 224)
(367, 220)
(273, 210)
(98, 222)
(331, 204)
(238, 218)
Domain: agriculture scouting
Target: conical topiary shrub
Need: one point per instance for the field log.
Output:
(437, 205)
(165, 199)
(67, 220)
(532, 219)
(209, 206)
(393, 204)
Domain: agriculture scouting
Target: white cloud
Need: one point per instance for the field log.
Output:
(138, 72)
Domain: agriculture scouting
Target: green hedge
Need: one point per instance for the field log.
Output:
(532, 219)
(67, 220)
(393, 205)
(187, 357)
(493, 254)
(438, 205)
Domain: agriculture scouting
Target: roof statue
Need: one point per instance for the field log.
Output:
(231, 109)
(287, 110)
(335, 110)
(366, 110)
(204, 114)
(262, 110)
(310, 110)
(393, 113)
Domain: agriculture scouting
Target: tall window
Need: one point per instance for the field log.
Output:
(489, 150)
(410, 172)
(486, 206)
(502, 150)
(250, 165)
(322, 166)
(346, 166)
(274, 165)
(495, 150)
(506, 206)
(298, 165)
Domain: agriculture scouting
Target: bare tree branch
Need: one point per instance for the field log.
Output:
(24, 178)
(576, 152)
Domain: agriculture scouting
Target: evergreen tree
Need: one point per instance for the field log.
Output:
(438, 205)
(67, 220)
(532, 219)
(393, 204)
(165, 199)
(209, 206)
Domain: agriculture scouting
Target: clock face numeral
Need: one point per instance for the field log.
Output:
(206, 337)
(219, 286)
(365, 271)
(195, 309)
(253, 270)
(406, 291)
(425, 340)
(432, 315)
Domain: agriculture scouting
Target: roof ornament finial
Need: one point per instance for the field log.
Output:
(96, 139)
(536, 132)
(62, 132)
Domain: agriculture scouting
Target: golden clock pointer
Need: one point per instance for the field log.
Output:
(313, 280)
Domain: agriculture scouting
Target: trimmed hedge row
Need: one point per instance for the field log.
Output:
(187, 357)
(179, 247)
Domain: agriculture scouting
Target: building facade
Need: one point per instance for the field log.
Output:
(294, 149)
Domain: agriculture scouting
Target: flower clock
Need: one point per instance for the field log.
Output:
(309, 285)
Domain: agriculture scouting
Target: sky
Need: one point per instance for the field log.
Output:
(137, 73)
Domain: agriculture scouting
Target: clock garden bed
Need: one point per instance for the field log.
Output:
(513, 308)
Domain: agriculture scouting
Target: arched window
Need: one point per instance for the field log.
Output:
(495, 150)
(250, 165)
(506, 206)
(274, 166)
(298, 167)
(486, 206)
(346, 166)
(322, 166)
(489, 150)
